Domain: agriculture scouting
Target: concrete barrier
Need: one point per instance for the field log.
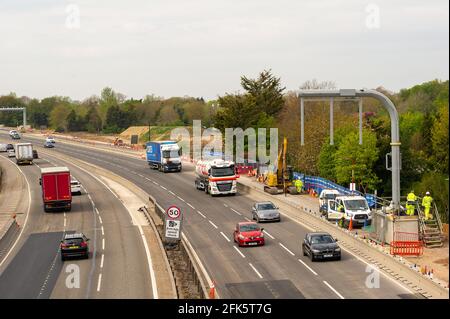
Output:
(7, 236)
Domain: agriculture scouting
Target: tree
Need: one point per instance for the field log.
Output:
(440, 141)
(93, 121)
(351, 156)
(58, 117)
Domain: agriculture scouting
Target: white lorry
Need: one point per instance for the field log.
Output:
(216, 177)
(24, 153)
(350, 207)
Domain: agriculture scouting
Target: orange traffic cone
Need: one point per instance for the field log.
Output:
(350, 225)
(212, 291)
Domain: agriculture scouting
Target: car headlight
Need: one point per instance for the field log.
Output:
(315, 251)
(337, 249)
(350, 214)
(261, 235)
(241, 236)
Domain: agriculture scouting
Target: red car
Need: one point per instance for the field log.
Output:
(248, 234)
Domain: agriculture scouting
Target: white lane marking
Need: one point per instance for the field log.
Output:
(201, 214)
(287, 249)
(257, 272)
(162, 187)
(99, 285)
(213, 224)
(334, 290)
(240, 253)
(225, 205)
(98, 213)
(141, 175)
(225, 236)
(268, 234)
(90, 198)
(37, 165)
(234, 210)
(181, 199)
(102, 260)
(103, 244)
(172, 193)
(155, 183)
(148, 179)
(190, 206)
(247, 219)
(103, 231)
(310, 269)
(100, 219)
(65, 222)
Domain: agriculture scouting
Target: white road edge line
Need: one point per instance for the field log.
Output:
(257, 272)
(310, 269)
(225, 236)
(99, 282)
(334, 290)
(201, 214)
(213, 224)
(287, 249)
(264, 231)
(240, 253)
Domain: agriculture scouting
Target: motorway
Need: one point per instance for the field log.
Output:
(276, 270)
(117, 267)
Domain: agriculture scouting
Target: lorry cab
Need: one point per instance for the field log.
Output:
(164, 155)
(350, 207)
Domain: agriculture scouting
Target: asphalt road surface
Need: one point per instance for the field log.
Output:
(117, 267)
(276, 270)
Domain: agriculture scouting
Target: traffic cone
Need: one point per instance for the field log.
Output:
(350, 225)
(212, 291)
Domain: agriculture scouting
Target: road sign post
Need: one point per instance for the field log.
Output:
(173, 220)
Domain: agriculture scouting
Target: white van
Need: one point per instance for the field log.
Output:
(353, 207)
(324, 197)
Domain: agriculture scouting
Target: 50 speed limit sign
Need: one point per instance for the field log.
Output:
(173, 212)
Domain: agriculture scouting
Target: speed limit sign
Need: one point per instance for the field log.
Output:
(173, 212)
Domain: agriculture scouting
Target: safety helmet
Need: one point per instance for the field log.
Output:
(427, 193)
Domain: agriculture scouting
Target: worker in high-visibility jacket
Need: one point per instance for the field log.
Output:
(299, 185)
(410, 203)
(426, 203)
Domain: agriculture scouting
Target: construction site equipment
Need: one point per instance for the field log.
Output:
(281, 179)
(431, 230)
(406, 244)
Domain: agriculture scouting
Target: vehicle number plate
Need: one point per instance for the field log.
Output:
(74, 247)
(328, 255)
(252, 244)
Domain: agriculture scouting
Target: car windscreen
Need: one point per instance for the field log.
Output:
(171, 154)
(266, 206)
(355, 204)
(73, 241)
(330, 196)
(322, 239)
(249, 227)
(222, 171)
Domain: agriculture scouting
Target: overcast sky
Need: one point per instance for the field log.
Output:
(202, 47)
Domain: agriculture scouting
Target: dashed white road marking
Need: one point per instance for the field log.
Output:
(96, 210)
(163, 187)
(287, 249)
(214, 225)
(99, 285)
(65, 222)
(155, 183)
(225, 236)
(247, 219)
(201, 214)
(225, 205)
(103, 231)
(103, 244)
(310, 269)
(102, 260)
(257, 272)
(234, 210)
(190, 206)
(240, 253)
(100, 219)
(172, 193)
(268, 234)
(334, 290)
(181, 199)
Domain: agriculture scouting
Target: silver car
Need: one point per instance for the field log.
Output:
(265, 212)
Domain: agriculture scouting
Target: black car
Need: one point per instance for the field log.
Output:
(15, 136)
(9, 147)
(49, 145)
(321, 246)
(35, 154)
(74, 245)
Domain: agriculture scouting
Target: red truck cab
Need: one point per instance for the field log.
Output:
(56, 190)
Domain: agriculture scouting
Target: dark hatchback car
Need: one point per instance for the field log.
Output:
(74, 245)
(321, 246)
(35, 154)
(9, 147)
